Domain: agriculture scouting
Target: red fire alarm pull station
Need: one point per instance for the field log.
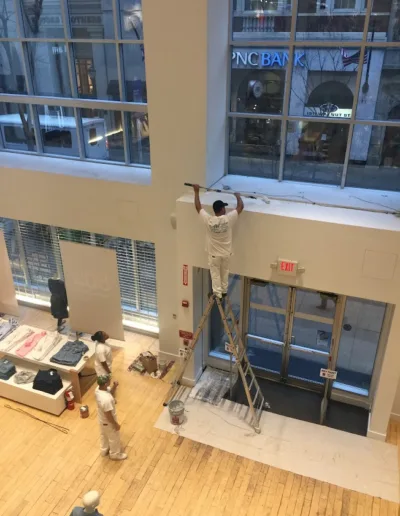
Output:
(185, 303)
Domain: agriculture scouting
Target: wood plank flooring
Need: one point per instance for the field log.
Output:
(44, 472)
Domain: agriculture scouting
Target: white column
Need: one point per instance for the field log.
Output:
(186, 66)
(387, 385)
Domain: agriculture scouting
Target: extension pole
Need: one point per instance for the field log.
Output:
(252, 195)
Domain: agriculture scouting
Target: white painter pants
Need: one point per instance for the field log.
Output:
(109, 440)
(219, 270)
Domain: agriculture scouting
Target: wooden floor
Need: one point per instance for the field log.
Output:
(43, 471)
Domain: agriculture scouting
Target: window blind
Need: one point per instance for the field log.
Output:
(34, 252)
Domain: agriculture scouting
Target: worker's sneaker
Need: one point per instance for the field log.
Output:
(104, 453)
(119, 456)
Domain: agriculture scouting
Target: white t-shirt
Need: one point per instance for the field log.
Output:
(105, 403)
(219, 232)
(103, 353)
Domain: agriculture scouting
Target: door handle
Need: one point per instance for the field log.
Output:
(293, 340)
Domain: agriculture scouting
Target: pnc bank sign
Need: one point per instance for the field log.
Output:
(266, 59)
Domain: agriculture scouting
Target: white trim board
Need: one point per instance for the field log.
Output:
(349, 461)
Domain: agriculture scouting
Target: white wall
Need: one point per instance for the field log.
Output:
(343, 251)
(186, 63)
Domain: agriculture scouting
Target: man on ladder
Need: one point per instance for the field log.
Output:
(219, 239)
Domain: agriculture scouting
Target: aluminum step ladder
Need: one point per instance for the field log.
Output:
(236, 347)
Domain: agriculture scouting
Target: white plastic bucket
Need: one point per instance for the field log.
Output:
(176, 412)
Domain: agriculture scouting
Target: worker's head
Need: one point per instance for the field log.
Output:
(91, 500)
(104, 381)
(219, 208)
(100, 336)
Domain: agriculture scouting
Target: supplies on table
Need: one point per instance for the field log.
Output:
(24, 377)
(70, 354)
(16, 338)
(7, 326)
(7, 369)
(48, 381)
(30, 344)
(47, 344)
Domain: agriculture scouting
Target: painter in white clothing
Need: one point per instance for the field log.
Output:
(219, 239)
(102, 354)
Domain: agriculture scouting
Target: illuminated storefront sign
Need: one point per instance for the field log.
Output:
(266, 59)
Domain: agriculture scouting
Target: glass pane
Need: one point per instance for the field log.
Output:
(323, 82)
(58, 130)
(218, 338)
(96, 71)
(97, 24)
(384, 21)
(41, 254)
(12, 79)
(135, 77)
(268, 325)
(375, 158)
(146, 264)
(49, 69)
(315, 152)
(131, 19)
(42, 19)
(258, 80)
(306, 366)
(264, 356)
(254, 147)
(16, 127)
(379, 96)
(103, 134)
(8, 24)
(9, 228)
(139, 138)
(359, 342)
(312, 334)
(315, 303)
(269, 294)
(261, 19)
(337, 20)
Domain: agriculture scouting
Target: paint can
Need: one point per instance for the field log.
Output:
(176, 412)
(84, 411)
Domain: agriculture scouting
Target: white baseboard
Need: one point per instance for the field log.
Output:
(376, 435)
(165, 355)
(395, 416)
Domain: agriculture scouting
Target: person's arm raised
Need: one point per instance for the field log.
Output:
(239, 204)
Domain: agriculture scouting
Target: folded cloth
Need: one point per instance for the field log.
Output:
(30, 343)
(7, 327)
(24, 377)
(7, 369)
(17, 337)
(48, 381)
(70, 354)
(45, 345)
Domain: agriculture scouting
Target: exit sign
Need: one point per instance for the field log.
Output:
(287, 267)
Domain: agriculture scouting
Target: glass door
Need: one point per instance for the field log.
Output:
(267, 325)
(310, 336)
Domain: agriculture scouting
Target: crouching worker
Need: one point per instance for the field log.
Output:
(110, 442)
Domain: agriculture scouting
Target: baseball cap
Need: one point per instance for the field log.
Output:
(218, 205)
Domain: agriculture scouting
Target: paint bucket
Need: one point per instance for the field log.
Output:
(84, 411)
(176, 412)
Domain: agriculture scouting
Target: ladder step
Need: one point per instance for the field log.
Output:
(256, 396)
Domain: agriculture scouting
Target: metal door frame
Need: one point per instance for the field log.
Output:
(287, 344)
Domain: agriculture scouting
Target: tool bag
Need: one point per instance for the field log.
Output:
(149, 361)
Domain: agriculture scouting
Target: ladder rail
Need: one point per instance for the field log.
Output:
(234, 350)
(175, 384)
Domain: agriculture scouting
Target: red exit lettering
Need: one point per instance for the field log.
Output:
(287, 267)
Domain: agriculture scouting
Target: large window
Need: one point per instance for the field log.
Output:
(315, 94)
(54, 51)
(34, 253)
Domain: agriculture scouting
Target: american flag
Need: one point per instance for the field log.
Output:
(354, 59)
